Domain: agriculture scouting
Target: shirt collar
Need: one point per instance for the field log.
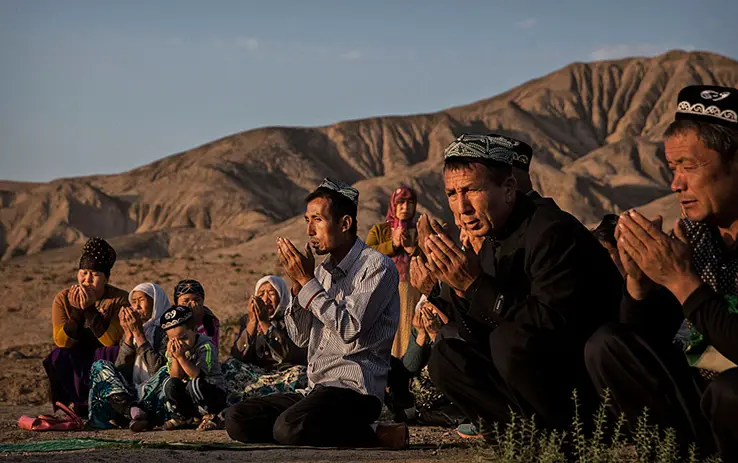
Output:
(348, 261)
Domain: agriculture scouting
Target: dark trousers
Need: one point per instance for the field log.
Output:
(398, 397)
(641, 372)
(327, 417)
(523, 373)
(185, 398)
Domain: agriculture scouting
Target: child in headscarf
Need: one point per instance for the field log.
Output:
(397, 238)
(192, 294)
(263, 346)
(123, 393)
(195, 381)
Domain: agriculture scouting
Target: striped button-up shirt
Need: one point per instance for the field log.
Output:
(347, 317)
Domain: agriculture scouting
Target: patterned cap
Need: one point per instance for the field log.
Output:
(175, 316)
(97, 255)
(188, 287)
(522, 152)
(341, 188)
(480, 147)
(709, 103)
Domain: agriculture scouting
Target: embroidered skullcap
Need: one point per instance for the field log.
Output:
(481, 148)
(97, 255)
(175, 317)
(188, 287)
(709, 103)
(342, 189)
(522, 152)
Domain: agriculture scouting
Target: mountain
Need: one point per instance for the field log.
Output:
(596, 130)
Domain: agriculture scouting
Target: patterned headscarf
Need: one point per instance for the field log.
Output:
(188, 287)
(97, 255)
(175, 317)
(281, 287)
(401, 259)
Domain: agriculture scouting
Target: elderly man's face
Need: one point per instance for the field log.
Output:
(707, 187)
(478, 204)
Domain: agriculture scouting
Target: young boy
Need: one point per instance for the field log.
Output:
(195, 381)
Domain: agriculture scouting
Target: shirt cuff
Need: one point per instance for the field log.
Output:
(696, 299)
(308, 293)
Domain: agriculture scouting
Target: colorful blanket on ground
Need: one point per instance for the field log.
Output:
(244, 380)
(106, 381)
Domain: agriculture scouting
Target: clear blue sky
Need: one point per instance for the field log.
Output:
(101, 86)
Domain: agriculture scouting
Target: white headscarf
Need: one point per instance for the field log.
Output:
(161, 304)
(281, 287)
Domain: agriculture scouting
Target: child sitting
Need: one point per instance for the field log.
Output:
(195, 381)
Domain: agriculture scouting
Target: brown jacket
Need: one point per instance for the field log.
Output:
(92, 327)
(380, 238)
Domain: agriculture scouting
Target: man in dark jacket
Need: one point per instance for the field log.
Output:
(525, 296)
(692, 275)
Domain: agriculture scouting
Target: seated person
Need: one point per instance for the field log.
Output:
(345, 311)
(263, 357)
(675, 349)
(85, 326)
(192, 294)
(411, 395)
(524, 297)
(195, 380)
(124, 394)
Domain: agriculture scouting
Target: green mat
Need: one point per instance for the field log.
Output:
(62, 445)
(90, 443)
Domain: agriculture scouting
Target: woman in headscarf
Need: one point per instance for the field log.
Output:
(264, 358)
(191, 293)
(85, 325)
(124, 393)
(397, 238)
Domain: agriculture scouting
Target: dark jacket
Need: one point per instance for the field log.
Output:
(270, 351)
(543, 271)
(154, 357)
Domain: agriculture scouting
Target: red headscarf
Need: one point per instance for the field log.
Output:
(402, 259)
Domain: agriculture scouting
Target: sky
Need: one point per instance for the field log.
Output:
(90, 87)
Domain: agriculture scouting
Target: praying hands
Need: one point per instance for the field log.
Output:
(664, 260)
(300, 268)
(450, 264)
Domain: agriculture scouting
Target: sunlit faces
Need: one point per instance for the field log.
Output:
(194, 301)
(324, 231)
(184, 334)
(270, 296)
(92, 280)
(405, 208)
(142, 304)
(706, 185)
(479, 205)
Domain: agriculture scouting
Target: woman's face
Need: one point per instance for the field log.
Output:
(143, 305)
(405, 208)
(269, 295)
(92, 280)
(193, 301)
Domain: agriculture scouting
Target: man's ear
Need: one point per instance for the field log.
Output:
(346, 223)
(510, 185)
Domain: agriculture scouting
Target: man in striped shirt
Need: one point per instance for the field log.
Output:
(345, 312)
